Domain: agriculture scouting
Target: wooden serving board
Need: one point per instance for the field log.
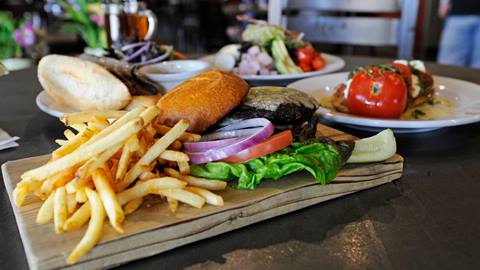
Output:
(152, 230)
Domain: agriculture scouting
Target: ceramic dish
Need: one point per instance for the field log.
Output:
(48, 105)
(464, 96)
(171, 73)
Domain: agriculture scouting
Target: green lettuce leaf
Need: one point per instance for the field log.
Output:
(263, 34)
(321, 160)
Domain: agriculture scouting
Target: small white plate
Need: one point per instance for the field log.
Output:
(169, 74)
(52, 107)
(464, 95)
(333, 63)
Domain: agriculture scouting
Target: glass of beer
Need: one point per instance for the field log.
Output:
(127, 22)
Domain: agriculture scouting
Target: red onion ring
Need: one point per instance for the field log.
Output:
(203, 146)
(230, 134)
(227, 149)
(136, 53)
(253, 122)
(131, 46)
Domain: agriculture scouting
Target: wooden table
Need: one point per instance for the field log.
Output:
(428, 219)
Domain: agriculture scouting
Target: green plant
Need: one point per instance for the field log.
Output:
(8, 47)
(85, 19)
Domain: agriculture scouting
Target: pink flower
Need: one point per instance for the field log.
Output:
(25, 35)
(98, 19)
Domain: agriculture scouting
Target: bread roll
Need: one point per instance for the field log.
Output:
(202, 100)
(81, 84)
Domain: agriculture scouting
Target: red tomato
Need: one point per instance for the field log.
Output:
(405, 70)
(304, 56)
(377, 92)
(318, 62)
(272, 144)
(305, 67)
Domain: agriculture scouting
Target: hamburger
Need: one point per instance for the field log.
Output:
(216, 98)
(247, 132)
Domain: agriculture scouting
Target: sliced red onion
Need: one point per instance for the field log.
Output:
(227, 149)
(131, 46)
(230, 134)
(136, 53)
(203, 146)
(253, 122)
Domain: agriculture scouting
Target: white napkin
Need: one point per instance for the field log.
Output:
(6, 141)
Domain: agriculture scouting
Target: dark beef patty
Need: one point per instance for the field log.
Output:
(280, 105)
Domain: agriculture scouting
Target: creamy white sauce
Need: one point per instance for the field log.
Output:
(439, 108)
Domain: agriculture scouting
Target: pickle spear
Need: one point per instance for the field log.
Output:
(376, 148)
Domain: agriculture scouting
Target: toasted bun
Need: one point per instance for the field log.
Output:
(142, 101)
(202, 100)
(81, 84)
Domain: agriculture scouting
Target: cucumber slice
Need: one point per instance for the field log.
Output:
(376, 148)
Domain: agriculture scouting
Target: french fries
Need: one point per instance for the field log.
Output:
(185, 137)
(210, 197)
(198, 182)
(84, 117)
(174, 156)
(132, 205)
(79, 218)
(85, 153)
(59, 209)
(131, 146)
(105, 169)
(183, 167)
(183, 196)
(172, 204)
(109, 200)
(152, 153)
(45, 213)
(151, 186)
(92, 235)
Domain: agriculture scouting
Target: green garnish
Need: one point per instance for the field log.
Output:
(418, 113)
(321, 160)
(375, 89)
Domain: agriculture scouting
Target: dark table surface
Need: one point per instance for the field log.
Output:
(428, 219)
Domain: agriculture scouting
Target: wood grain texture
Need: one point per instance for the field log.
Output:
(152, 230)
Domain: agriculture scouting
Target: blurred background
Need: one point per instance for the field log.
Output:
(31, 28)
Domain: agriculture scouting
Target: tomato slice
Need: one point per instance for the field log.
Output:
(270, 145)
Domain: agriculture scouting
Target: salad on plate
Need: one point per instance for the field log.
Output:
(269, 50)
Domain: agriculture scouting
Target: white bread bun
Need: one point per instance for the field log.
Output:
(81, 84)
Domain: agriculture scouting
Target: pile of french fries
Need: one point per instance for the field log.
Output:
(105, 169)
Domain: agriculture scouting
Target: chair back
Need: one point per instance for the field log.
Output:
(351, 22)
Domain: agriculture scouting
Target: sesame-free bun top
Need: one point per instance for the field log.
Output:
(81, 84)
(202, 100)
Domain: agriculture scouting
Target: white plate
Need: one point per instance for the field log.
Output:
(464, 95)
(47, 104)
(333, 63)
